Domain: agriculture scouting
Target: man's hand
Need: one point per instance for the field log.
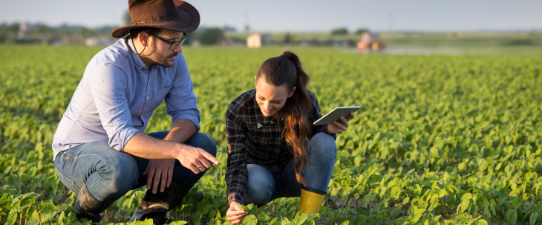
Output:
(234, 214)
(196, 159)
(159, 171)
(340, 126)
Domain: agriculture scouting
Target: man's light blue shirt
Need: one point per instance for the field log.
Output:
(117, 96)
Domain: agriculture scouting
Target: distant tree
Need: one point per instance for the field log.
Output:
(14, 27)
(211, 36)
(191, 37)
(85, 32)
(43, 29)
(126, 18)
(339, 31)
(361, 30)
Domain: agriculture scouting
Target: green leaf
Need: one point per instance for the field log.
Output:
(538, 207)
(511, 216)
(434, 152)
(413, 210)
(434, 204)
(299, 219)
(502, 200)
(250, 207)
(263, 217)
(416, 218)
(275, 221)
(197, 217)
(405, 201)
(358, 220)
(466, 196)
(46, 207)
(485, 203)
(61, 217)
(357, 160)
(463, 206)
(451, 189)
(315, 216)
(514, 217)
(12, 218)
(516, 203)
(395, 212)
(285, 221)
(181, 222)
(250, 220)
(395, 192)
(482, 165)
(532, 219)
(243, 208)
(34, 219)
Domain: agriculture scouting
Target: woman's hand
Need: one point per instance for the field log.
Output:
(234, 214)
(340, 126)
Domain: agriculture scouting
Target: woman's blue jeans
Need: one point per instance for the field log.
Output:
(264, 187)
(109, 174)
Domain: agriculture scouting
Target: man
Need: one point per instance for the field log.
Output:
(100, 150)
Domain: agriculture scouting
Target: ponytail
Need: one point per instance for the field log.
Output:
(286, 69)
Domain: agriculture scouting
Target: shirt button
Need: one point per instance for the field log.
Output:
(147, 97)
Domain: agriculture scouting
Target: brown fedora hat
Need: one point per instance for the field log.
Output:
(168, 14)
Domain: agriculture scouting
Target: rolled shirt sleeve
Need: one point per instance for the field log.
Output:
(108, 89)
(236, 172)
(180, 101)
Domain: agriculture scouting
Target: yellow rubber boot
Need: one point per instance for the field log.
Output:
(310, 201)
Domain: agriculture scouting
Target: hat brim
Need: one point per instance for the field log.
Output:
(188, 21)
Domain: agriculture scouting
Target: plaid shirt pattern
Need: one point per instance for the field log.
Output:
(256, 139)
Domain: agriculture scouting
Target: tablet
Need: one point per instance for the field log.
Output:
(335, 114)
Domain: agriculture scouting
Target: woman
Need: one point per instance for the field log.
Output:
(268, 153)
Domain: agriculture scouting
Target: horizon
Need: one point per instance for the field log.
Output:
(536, 30)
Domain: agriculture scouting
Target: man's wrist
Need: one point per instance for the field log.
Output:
(177, 150)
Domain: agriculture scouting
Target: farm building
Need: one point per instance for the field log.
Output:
(257, 40)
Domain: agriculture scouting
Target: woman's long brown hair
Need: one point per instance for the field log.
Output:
(286, 69)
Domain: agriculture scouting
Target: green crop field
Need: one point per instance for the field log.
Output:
(438, 139)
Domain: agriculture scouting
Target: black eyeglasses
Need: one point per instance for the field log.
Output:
(172, 44)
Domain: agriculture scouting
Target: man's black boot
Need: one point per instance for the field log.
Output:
(155, 206)
(88, 207)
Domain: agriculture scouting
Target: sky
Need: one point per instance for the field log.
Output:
(303, 15)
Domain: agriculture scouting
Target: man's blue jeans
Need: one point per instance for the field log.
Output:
(109, 174)
(264, 187)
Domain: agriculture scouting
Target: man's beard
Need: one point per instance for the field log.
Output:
(153, 55)
(164, 61)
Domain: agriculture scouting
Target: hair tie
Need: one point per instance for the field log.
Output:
(285, 54)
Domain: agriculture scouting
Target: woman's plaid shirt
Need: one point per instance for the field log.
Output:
(256, 139)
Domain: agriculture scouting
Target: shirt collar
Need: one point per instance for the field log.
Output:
(139, 64)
